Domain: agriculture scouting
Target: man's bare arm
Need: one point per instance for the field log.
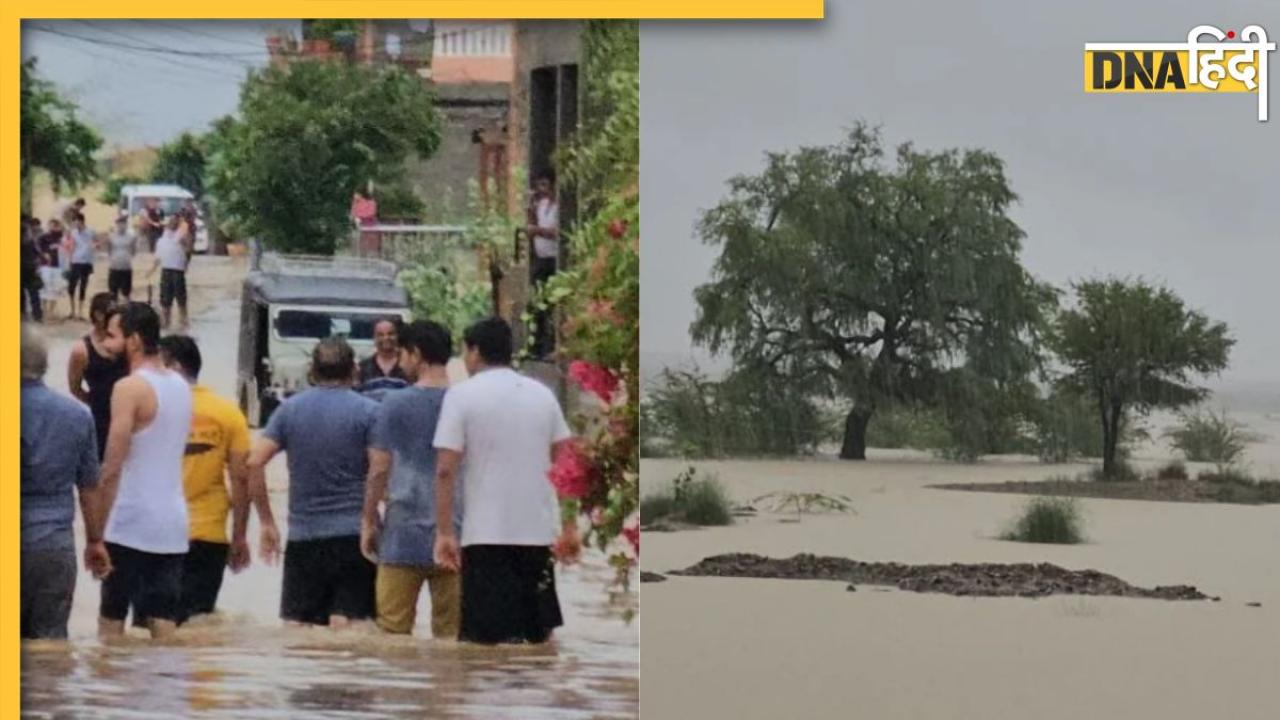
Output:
(238, 473)
(256, 464)
(447, 462)
(375, 484)
(75, 372)
(125, 397)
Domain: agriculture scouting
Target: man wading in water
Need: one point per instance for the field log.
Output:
(324, 432)
(506, 428)
(94, 370)
(142, 480)
(402, 467)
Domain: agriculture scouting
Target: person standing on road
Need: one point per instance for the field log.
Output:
(151, 222)
(29, 268)
(49, 246)
(216, 454)
(68, 211)
(385, 361)
(544, 228)
(172, 254)
(93, 371)
(506, 427)
(81, 265)
(59, 460)
(324, 431)
(122, 246)
(146, 534)
(402, 467)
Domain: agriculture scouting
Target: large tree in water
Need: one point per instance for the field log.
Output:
(870, 282)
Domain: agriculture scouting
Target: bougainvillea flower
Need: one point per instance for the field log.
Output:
(571, 471)
(594, 378)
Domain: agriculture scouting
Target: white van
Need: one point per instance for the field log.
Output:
(133, 199)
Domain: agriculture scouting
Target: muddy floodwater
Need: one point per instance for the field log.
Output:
(243, 663)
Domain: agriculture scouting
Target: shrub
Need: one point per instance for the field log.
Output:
(1048, 520)
(1176, 470)
(907, 427)
(1206, 436)
(1123, 472)
(691, 499)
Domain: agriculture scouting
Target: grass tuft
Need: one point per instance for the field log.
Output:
(1054, 520)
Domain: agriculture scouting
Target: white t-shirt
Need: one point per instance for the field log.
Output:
(548, 212)
(504, 425)
(171, 251)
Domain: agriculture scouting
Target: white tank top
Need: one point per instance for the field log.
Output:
(150, 511)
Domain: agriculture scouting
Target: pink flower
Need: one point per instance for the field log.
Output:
(632, 535)
(571, 472)
(594, 378)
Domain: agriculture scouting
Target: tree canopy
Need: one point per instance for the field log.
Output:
(53, 138)
(307, 136)
(181, 162)
(1133, 347)
(872, 282)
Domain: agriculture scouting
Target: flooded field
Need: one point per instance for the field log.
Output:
(242, 663)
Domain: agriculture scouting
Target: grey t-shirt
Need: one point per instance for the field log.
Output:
(123, 246)
(405, 427)
(324, 432)
(59, 453)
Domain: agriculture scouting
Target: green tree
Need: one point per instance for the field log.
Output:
(182, 163)
(871, 282)
(306, 138)
(1134, 347)
(53, 138)
(111, 190)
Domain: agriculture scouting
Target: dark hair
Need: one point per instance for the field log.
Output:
(183, 351)
(396, 323)
(430, 339)
(491, 337)
(101, 303)
(78, 217)
(333, 359)
(79, 201)
(548, 175)
(137, 318)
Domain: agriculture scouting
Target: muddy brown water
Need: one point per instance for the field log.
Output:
(243, 663)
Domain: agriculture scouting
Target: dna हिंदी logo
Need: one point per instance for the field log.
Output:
(1224, 64)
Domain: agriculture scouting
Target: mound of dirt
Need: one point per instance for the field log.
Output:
(1162, 490)
(981, 579)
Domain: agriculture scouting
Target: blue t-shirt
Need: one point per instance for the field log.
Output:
(324, 432)
(405, 427)
(59, 452)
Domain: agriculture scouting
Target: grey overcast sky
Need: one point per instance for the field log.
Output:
(1181, 189)
(143, 82)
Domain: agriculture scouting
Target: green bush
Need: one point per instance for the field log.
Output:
(1206, 436)
(748, 412)
(1175, 470)
(904, 426)
(1124, 472)
(1048, 520)
(691, 499)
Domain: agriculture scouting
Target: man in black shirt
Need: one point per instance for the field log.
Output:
(385, 361)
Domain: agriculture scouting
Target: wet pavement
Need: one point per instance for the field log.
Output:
(243, 663)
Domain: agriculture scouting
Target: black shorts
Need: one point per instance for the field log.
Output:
(173, 286)
(202, 574)
(327, 577)
(149, 582)
(508, 594)
(120, 281)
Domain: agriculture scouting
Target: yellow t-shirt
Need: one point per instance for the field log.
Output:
(217, 429)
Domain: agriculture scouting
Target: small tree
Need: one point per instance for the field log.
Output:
(1206, 436)
(1134, 347)
(307, 136)
(53, 138)
(181, 162)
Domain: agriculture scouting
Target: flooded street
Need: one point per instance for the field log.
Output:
(243, 663)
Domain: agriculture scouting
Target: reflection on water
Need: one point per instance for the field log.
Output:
(242, 663)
